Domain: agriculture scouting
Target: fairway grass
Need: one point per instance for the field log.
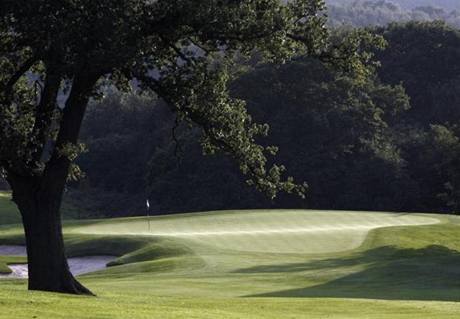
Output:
(256, 264)
(129, 305)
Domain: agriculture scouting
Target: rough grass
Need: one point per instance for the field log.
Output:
(8, 211)
(10, 215)
(253, 265)
(6, 260)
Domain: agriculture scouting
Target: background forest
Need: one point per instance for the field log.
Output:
(390, 142)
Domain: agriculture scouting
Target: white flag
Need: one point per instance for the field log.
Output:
(148, 204)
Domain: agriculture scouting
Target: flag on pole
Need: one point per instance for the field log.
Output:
(147, 203)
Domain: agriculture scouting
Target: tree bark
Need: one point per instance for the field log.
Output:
(48, 267)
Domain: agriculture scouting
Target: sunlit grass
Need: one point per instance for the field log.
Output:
(257, 264)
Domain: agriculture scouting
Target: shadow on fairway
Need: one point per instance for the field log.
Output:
(430, 273)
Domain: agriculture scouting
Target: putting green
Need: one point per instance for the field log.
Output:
(274, 231)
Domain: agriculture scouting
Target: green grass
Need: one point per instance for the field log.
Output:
(8, 211)
(10, 215)
(273, 231)
(257, 264)
(5, 260)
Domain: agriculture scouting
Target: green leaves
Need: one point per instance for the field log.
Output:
(199, 94)
(183, 51)
(71, 151)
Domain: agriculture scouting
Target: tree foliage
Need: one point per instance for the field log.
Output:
(181, 50)
(368, 144)
(328, 124)
(424, 58)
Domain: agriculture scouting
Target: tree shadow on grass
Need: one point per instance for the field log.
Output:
(430, 273)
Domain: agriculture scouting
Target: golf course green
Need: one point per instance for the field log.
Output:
(252, 264)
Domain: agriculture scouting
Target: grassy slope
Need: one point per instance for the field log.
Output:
(392, 274)
(10, 215)
(8, 212)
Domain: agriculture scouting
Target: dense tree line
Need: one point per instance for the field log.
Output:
(419, 146)
(407, 160)
(424, 57)
(385, 141)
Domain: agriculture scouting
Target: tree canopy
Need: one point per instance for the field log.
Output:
(178, 49)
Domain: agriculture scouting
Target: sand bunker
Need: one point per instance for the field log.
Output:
(78, 265)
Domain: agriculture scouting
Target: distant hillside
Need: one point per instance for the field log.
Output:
(411, 4)
(362, 13)
(447, 4)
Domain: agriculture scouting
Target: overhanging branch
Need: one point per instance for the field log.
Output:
(19, 73)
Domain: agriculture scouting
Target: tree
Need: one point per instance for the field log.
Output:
(405, 170)
(331, 129)
(338, 138)
(120, 131)
(57, 55)
(423, 57)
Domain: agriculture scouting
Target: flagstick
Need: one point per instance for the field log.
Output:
(148, 214)
(148, 219)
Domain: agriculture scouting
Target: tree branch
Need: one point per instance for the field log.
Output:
(20, 72)
(57, 167)
(44, 113)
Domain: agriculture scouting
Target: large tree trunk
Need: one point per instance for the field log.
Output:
(48, 268)
(39, 199)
